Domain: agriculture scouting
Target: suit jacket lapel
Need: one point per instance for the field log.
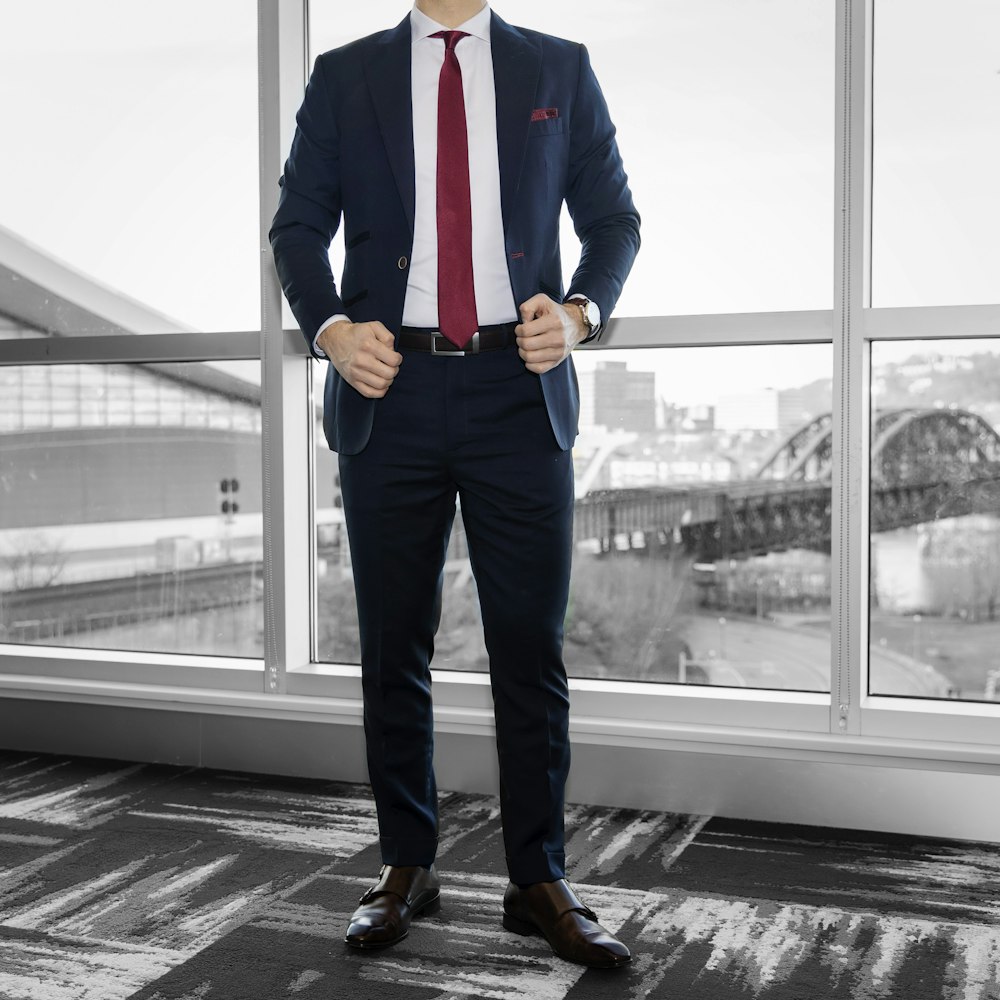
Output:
(517, 63)
(387, 73)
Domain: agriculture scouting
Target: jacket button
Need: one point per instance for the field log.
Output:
(401, 263)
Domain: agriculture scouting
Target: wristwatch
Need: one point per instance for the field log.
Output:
(589, 311)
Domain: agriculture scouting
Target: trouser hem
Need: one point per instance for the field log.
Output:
(536, 868)
(409, 852)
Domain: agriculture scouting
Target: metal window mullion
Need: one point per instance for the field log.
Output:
(284, 409)
(147, 348)
(922, 322)
(849, 496)
(718, 329)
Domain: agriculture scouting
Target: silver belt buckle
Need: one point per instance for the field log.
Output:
(473, 347)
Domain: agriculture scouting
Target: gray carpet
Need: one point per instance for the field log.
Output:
(162, 883)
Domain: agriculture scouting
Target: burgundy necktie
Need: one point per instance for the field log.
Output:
(456, 291)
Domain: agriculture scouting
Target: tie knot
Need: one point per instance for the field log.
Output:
(451, 38)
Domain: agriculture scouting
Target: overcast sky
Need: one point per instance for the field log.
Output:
(130, 134)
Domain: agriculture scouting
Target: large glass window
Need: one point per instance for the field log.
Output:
(703, 517)
(724, 111)
(935, 519)
(130, 194)
(702, 526)
(936, 153)
(131, 513)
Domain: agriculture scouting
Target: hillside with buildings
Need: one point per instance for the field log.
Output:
(630, 436)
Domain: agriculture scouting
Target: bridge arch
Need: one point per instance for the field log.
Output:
(784, 460)
(909, 446)
(923, 446)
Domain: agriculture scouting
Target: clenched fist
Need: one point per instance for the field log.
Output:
(547, 333)
(363, 354)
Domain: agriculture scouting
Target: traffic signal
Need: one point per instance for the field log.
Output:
(227, 486)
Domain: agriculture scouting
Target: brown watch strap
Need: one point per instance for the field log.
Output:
(582, 302)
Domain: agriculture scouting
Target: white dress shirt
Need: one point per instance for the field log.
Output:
(494, 297)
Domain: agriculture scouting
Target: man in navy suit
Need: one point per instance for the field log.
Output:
(446, 147)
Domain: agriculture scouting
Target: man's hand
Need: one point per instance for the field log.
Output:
(363, 354)
(547, 333)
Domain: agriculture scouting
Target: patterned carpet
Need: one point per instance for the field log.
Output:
(164, 883)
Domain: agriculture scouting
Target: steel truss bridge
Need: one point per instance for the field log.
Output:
(925, 464)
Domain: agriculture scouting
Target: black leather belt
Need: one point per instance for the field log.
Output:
(486, 338)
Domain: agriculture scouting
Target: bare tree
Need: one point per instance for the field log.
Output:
(33, 560)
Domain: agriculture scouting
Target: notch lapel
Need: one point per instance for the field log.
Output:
(517, 62)
(387, 73)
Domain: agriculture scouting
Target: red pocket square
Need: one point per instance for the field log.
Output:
(541, 114)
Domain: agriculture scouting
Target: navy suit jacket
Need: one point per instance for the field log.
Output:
(352, 158)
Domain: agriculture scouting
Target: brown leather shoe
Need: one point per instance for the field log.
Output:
(554, 911)
(401, 893)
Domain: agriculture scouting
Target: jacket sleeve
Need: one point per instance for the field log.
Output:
(599, 199)
(309, 211)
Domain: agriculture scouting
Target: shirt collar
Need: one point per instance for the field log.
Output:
(421, 26)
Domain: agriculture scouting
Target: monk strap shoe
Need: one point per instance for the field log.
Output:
(401, 893)
(554, 911)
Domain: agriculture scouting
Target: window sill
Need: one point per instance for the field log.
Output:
(463, 706)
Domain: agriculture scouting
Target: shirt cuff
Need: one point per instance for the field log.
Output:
(317, 350)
